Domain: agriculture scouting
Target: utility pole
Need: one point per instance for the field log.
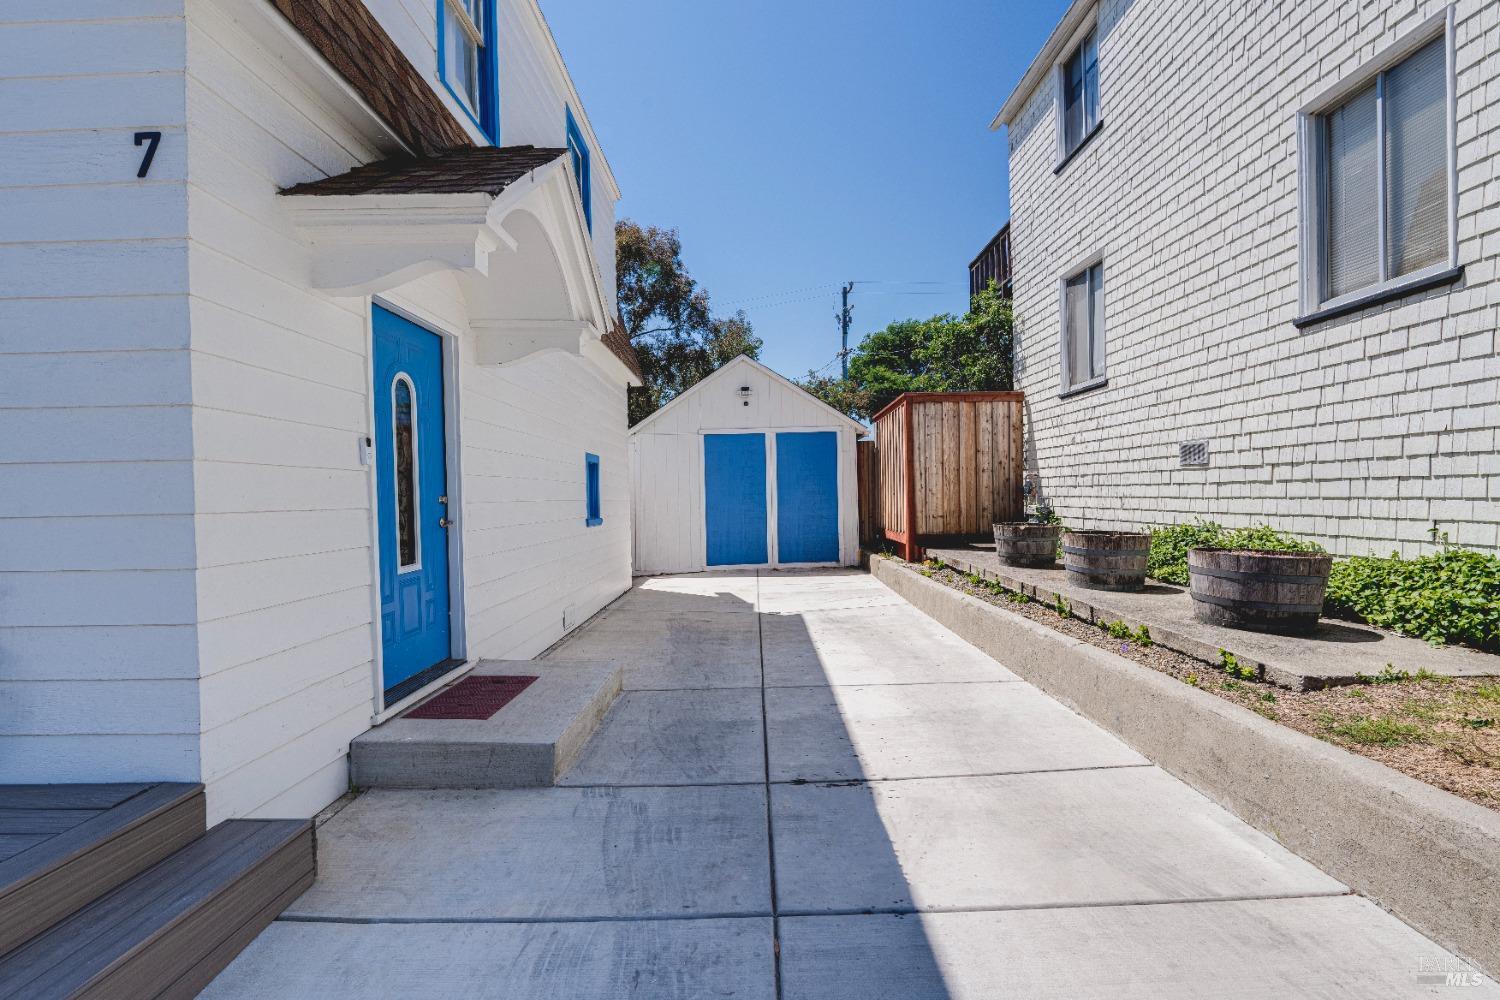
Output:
(844, 315)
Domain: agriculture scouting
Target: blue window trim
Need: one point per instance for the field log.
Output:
(488, 120)
(593, 514)
(579, 147)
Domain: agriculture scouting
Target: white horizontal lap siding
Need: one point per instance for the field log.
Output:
(97, 597)
(529, 558)
(280, 403)
(1359, 432)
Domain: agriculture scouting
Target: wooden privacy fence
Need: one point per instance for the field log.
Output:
(943, 464)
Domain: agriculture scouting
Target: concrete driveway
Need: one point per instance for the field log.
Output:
(811, 791)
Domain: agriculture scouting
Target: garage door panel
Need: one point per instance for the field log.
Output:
(807, 497)
(735, 508)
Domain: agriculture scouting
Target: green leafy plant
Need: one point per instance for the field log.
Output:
(1140, 636)
(944, 353)
(1269, 697)
(1062, 607)
(1489, 692)
(1192, 679)
(1170, 545)
(1388, 675)
(1169, 548)
(1478, 723)
(1449, 596)
(1043, 513)
(1016, 597)
(1231, 665)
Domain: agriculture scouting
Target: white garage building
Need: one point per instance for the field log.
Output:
(744, 469)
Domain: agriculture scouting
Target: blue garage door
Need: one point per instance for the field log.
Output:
(807, 497)
(734, 490)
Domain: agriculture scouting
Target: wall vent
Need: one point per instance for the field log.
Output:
(1191, 454)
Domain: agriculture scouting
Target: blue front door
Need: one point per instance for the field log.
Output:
(411, 474)
(734, 494)
(807, 497)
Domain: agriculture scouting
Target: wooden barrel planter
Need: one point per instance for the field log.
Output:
(1260, 591)
(1021, 543)
(1106, 560)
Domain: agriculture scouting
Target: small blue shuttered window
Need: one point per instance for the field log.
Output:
(466, 60)
(593, 513)
(578, 153)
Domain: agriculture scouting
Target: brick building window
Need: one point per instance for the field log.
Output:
(1379, 214)
(1079, 79)
(1083, 328)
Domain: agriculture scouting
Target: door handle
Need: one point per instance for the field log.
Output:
(444, 522)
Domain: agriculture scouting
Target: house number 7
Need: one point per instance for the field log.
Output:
(152, 140)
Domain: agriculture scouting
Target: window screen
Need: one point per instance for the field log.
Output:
(1384, 176)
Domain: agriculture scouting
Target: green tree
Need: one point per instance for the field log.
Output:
(678, 339)
(944, 353)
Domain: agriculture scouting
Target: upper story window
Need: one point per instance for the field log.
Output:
(578, 153)
(466, 59)
(1083, 328)
(1078, 104)
(1379, 213)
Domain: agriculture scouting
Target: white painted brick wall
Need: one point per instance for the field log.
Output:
(1360, 431)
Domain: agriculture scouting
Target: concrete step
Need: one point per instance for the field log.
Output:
(167, 932)
(527, 744)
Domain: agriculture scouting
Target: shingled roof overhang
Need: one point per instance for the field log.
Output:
(508, 222)
(464, 170)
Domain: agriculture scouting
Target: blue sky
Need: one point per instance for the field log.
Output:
(797, 145)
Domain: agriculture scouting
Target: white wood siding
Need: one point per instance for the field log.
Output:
(98, 668)
(281, 401)
(666, 464)
(186, 564)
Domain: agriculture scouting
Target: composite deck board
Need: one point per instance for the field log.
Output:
(43, 821)
(67, 796)
(170, 929)
(12, 844)
(43, 882)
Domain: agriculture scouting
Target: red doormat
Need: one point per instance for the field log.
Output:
(473, 698)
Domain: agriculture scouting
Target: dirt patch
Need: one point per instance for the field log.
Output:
(1441, 730)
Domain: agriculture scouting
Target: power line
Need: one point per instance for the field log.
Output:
(777, 295)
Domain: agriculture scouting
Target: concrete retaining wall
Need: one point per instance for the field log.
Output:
(1429, 857)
